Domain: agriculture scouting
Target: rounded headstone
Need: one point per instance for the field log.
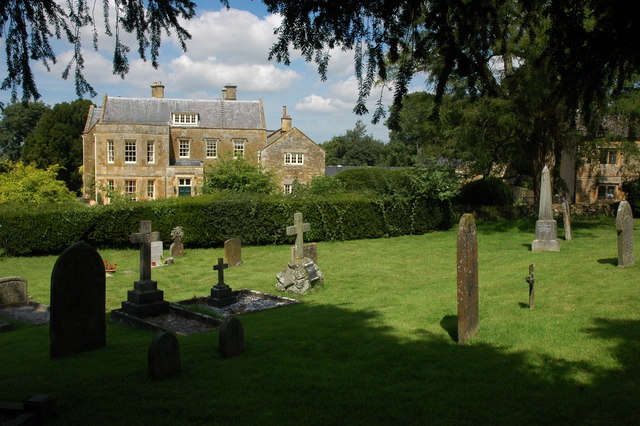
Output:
(231, 338)
(163, 356)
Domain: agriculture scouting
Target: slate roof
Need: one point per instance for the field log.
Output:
(95, 116)
(213, 113)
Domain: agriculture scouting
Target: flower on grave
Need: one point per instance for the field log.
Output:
(109, 267)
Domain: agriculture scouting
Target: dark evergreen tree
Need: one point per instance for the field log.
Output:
(18, 120)
(355, 148)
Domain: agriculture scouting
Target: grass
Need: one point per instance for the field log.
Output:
(375, 345)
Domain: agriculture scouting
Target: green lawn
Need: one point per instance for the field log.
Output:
(373, 346)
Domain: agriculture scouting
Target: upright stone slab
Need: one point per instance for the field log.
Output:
(233, 252)
(13, 292)
(231, 338)
(77, 302)
(156, 252)
(546, 226)
(467, 278)
(163, 356)
(310, 251)
(624, 226)
(177, 247)
(145, 300)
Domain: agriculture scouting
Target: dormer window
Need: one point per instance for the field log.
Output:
(185, 118)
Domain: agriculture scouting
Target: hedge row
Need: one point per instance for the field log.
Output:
(209, 220)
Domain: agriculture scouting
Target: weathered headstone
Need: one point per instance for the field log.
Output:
(467, 278)
(13, 292)
(566, 216)
(233, 251)
(310, 251)
(531, 279)
(77, 321)
(231, 338)
(177, 247)
(301, 273)
(156, 252)
(163, 356)
(546, 226)
(145, 300)
(624, 227)
(221, 293)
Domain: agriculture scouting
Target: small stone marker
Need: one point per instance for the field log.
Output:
(531, 279)
(77, 302)
(145, 300)
(163, 356)
(177, 247)
(231, 338)
(546, 226)
(566, 216)
(298, 229)
(624, 226)
(156, 252)
(13, 292)
(467, 278)
(233, 252)
(221, 293)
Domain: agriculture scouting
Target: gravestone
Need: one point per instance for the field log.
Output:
(546, 226)
(156, 252)
(177, 247)
(531, 279)
(145, 300)
(163, 356)
(310, 251)
(467, 269)
(231, 338)
(77, 320)
(566, 216)
(624, 227)
(233, 252)
(13, 292)
(221, 293)
(301, 273)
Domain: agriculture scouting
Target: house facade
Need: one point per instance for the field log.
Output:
(149, 148)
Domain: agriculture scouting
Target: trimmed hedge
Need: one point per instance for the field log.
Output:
(209, 220)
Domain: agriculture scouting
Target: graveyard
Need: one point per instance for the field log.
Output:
(376, 343)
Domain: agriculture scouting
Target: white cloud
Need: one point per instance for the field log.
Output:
(319, 105)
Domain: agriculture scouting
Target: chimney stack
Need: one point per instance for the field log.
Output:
(157, 89)
(229, 93)
(285, 125)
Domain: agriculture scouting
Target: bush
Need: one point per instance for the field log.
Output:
(20, 183)
(237, 175)
(632, 189)
(372, 180)
(488, 191)
(211, 219)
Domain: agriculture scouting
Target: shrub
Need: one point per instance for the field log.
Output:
(372, 180)
(632, 189)
(237, 175)
(20, 183)
(488, 191)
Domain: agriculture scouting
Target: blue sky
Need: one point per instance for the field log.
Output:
(227, 47)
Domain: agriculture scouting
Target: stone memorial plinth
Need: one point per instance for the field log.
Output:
(301, 274)
(546, 226)
(221, 293)
(13, 292)
(624, 228)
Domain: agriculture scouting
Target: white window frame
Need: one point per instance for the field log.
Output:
(130, 157)
(238, 148)
(293, 159)
(151, 152)
(288, 188)
(131, 188)
(111, 185)
(111, 151)
(211, 148)
(151, 189)
(609, 192)
(182, 151)
(185, 119)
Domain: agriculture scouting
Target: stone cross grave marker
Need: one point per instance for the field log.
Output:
(77, 302)
(232, 251)
(163, 356)
(531, 279)
(156, 252)
(231, 338)
(13, 292)
(546, 226)
(177, 247)
(221, 293)
(298, 229)
(467, 269)
(624, 227)
(220, 267)
(144, 238)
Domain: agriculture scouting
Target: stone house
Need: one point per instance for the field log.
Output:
(157, 147)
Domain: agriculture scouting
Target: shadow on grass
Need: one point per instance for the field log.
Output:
(321, 364)
(450, 324)
(523, 305)
(609, 261)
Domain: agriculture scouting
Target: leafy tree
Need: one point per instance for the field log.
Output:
(237, 175)
(20, 183)
(355, 148)
(57, 139)
(18, 120)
